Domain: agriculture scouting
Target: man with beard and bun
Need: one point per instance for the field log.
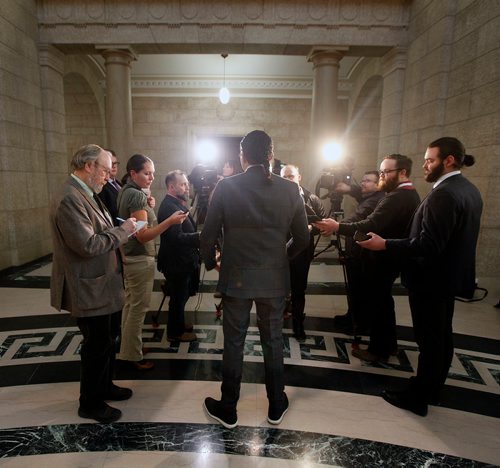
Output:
(391, 215)
(440, 253)
(87, 277)
(179, 256)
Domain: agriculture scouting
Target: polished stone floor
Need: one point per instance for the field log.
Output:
(336, 416)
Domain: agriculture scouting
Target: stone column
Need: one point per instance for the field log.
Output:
(119, 99)
(54, 115)
(324, 125)
(393, 70)
(326, 62)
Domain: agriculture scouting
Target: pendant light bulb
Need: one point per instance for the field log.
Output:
(224, 94)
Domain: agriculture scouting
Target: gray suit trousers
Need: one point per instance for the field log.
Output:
(236, 319)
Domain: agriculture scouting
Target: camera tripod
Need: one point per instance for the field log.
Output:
(337, 214)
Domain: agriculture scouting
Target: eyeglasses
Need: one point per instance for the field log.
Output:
(368, 180)
(387, 171)
(105, 170)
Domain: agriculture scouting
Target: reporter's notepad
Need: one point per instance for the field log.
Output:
(138, 226)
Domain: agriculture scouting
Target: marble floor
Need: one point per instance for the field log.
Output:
(336, 416)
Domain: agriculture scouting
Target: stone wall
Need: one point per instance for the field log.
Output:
(24, 229)
(167, 129)
(84, 123)
(451, 89)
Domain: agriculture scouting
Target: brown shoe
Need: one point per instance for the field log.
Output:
(142, 365)
(185, 337)
(188, 327)
(367, 356)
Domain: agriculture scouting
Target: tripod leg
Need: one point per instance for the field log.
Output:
(155, 317)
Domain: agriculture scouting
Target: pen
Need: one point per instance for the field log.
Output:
(120, 219)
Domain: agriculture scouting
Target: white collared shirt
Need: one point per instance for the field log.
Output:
(445, 176)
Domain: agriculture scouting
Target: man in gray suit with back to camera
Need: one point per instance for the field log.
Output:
(87, 277)
(256, 210)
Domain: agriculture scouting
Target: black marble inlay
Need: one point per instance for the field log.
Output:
(208, 438)
(322, 361)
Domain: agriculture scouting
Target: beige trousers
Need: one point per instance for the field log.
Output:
(138, 273)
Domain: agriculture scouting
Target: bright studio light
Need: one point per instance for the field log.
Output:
(332, 151)
(224, 95)
(206, 151)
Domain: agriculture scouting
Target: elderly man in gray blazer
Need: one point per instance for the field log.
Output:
(87, 277)
(256, 211)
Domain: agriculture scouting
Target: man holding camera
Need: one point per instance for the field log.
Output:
(299, 265)
(391, 215)
(356, 320)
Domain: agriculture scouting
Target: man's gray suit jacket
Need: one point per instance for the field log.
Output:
(256, 216)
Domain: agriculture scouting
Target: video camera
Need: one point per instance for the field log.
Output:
(203, 178)
(328, 180)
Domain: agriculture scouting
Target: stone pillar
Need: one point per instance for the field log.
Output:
(325, 86)
(119, 99)
(393, 70)
(54, 115)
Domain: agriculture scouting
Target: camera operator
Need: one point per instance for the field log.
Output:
(391, 215)
(355, 321)
(299, 265)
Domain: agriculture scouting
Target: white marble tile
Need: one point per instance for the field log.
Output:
(61, 460)
(443, 430)
(20, 302)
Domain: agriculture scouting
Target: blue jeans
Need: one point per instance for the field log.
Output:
(235, 323)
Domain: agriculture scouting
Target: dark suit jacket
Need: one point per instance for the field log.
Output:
(179, 252)
(390, 219)
(108, 195)
(256, 216)
(443, 238)
(86, 272)
(365, 208)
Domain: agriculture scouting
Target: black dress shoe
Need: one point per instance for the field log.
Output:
(117, 393)
(405, 400)
(228, 418)
(103, 413)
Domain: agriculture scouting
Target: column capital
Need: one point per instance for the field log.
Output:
(51, 57)
(393, 60)
(117, 53)
(320, 55)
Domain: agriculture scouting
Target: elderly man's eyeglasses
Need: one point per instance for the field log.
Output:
(105, 170)
(387, 171)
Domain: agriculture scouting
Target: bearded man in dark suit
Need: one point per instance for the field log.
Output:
(256, 211)
(179, 256)
(441, 255)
